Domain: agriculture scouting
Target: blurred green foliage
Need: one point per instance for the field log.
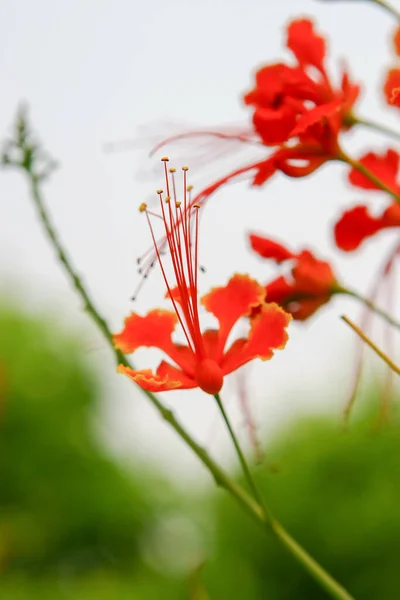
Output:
(338, 494)
(74, 525)
(72, 522)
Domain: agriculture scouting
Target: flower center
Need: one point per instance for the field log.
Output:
(209, 377)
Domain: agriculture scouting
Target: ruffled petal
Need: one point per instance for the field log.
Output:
(357, 224)
(306, 45)
(166, 378)
(267, 333)
(269, 249)
(385, 167)
(233, 301)
(154, 330)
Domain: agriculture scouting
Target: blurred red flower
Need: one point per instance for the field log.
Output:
(357, 224)
(309, 284)
(392, 80)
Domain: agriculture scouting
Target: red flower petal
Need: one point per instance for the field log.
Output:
(306, 45)
(396, 41)
(154, 330)
(392, 81)
(211, 343)
(357, 224)
(279, 290)
(353, 227)
(395, 97)
(350, 91)
(233, 301)
(269, 249)
(385, 167)
(268, 333)
(313, 276)
(275, 81)
(317, 115)
(166, 378)
(303, 309)
(274, 126)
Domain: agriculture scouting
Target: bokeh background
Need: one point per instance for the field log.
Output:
(98, 499)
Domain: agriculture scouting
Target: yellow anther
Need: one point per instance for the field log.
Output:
(196, 205)
(172, 170)
(165, 158)
(189, 188)
(185, 168)
(167, 199)
(178, 204)
(143, 207)
(159, 191)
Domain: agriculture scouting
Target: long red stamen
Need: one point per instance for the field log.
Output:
(181, 239)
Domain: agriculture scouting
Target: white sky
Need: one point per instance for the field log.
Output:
(100, 71)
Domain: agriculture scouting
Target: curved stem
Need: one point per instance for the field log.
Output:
(380, 127)
(371, 344)
(368, 174)
(393, 11)
(370, 304)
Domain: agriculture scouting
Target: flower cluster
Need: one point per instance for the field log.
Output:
(206, 357)
(298, 118)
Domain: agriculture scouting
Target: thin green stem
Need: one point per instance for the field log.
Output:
(371, 344)
(368, 174)
(314, 569)
(219, 475)
(354, 120)
(251, 506)
(353, 294)
(393, 11)
(242, 459)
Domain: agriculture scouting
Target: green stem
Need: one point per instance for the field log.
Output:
(388, 318)
(252, 507)
(314, 569)
(332, 587)
(354, 120)
(395, 13)
(242, 459)
(368, 174)
(371, 344)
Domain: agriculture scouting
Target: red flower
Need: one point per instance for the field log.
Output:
(204, 361)
(309, 285)
(392, 80)
(357, 224)
(385, 167)
(295, 104)
(283, 95)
